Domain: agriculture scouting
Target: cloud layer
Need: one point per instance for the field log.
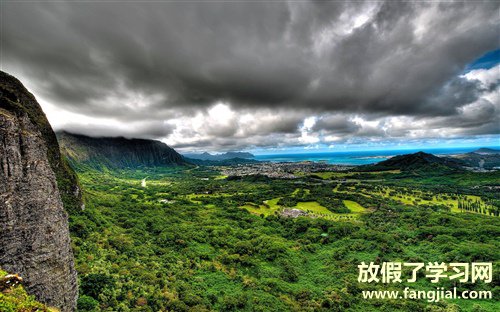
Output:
(231, 75)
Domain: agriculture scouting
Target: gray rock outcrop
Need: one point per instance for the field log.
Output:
(34, 234)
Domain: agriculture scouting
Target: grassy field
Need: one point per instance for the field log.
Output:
(354, 206)
(316, 210)
(416, 198)
(313, 208)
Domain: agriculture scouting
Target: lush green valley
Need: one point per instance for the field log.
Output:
(191, 239)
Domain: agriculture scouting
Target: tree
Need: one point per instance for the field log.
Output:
(94, 284)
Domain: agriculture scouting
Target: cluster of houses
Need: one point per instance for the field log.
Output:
(281, 170)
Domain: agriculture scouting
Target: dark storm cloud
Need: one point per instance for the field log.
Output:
(283, 124)
(338, 124)
(386, 67)
(277, 121)
(481, 118)
(155, 61)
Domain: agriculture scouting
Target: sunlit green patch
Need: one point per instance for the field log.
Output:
(313, 207)
(15, 298)
(256, 209)
(418, 198)
(354, 206)
(273, 203)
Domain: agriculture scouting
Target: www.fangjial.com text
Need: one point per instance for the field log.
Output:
(429, 295)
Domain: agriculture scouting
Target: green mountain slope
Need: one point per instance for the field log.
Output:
(419, 161)
(115, 153)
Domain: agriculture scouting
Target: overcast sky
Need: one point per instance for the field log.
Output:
(229, 75)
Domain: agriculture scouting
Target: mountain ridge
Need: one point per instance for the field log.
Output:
(116, 152)
(481, 159)
(485, 150)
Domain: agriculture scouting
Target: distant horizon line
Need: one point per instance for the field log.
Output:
(347, 151)
(377, 150)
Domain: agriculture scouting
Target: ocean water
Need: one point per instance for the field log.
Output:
(359, 157)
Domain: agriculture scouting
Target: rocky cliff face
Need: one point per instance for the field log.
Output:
(34, 234)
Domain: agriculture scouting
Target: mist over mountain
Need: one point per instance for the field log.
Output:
(119, 152)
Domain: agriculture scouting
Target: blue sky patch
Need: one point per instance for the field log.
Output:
(486, 61)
